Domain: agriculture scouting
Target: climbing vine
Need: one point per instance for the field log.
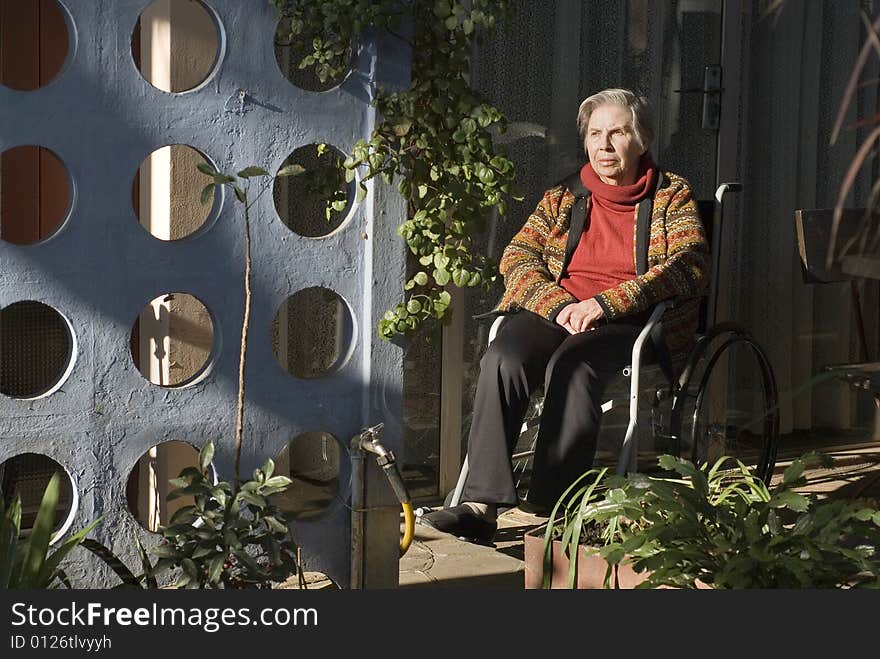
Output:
(435, 139)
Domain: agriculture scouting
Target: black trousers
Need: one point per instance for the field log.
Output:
(574, 369)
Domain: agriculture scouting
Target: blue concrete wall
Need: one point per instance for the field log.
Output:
(102, 119)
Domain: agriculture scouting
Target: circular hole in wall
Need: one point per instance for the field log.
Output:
(314, 200)
(172, 340)
(311, 461)
(312, 333)
(175, 44)
(34, 41)
(148, 484)
(166, 193)
(27, 475)
(37, 349)
(34, 194)
(291, 49)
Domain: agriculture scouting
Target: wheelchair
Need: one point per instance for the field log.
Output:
(685, 416)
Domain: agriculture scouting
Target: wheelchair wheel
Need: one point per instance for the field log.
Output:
(726, 403)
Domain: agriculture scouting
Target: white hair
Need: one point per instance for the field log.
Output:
(638, 105)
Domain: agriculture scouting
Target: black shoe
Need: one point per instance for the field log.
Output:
(462, 522)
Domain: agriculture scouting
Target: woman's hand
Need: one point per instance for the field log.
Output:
(580, 316)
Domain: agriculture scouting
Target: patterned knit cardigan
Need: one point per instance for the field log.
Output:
(677, 263)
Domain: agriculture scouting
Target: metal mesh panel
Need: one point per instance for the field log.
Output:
(312, 463)
(299, 204)
(289, 54)
(318, 332)
(35, 348)
(27, 475)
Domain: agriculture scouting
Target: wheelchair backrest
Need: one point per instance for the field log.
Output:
(706, 208)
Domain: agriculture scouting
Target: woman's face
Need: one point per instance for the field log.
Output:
(612, 146)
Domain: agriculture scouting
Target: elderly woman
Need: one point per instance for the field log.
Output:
(581, 278)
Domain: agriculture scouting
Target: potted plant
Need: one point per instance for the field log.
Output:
(720, 527)
(228, 538)
(588, 521)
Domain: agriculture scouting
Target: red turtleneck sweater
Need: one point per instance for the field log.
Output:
(604, 256)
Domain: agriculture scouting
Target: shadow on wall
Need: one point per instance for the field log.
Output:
(183, 342)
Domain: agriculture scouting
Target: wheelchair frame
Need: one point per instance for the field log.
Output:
(729, 333)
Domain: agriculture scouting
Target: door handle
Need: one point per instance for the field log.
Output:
(711, 91)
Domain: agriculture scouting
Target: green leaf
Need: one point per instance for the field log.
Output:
(251, 171)
(207, 194)
(112, 562)
(460, 277)
(37, 543)
(149, 570)
(793, 472)
(789, 499)
(215, 568)
(253, 499)
(206, 168)
(10, 525)
(290, 170)
(402, 128)
(442, 8)
(165, 551)
(278, 482)
(190, 568)
(242, 196)
(421, 278)
(276, 525)
(50, 567)
(206, 455)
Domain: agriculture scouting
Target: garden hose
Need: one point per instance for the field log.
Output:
(369, 441)
(409, 518)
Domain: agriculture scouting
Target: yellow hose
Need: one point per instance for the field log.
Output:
(409, 528)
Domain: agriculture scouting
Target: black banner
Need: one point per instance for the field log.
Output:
(112, 623)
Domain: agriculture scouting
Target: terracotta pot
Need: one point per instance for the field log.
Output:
(591, 568)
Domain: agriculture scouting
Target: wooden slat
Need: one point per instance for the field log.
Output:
(20, 43)
(813, 228)
(20, 203)
(53, 41)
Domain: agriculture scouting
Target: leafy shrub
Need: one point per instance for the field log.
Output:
(723, 527)
(230, 538)
(27, 562)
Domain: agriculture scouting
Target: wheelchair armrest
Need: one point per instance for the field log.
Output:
(496, 325)
(645, 334)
